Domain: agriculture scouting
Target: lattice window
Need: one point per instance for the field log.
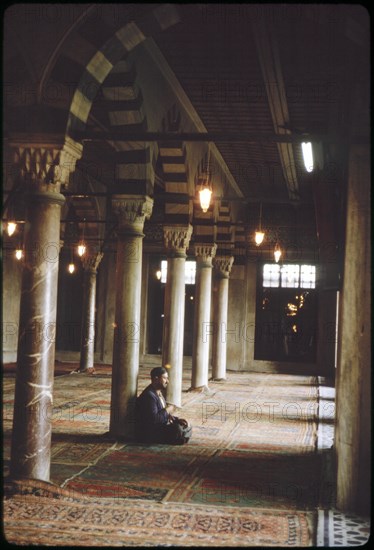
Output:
(290, 274)
(308, 276)
(271, 275)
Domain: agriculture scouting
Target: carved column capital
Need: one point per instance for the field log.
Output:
(177, 239)
(205, 252)
(223, 265)
(132, 211)
(91, 262)
(43, 164)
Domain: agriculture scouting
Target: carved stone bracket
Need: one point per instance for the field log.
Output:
(91, 262)
(223, 265)
(177, 238)
(43, 164)
(71, 152)
(132, 211)
(205, 253)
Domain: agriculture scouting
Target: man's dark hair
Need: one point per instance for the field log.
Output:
(157, 372)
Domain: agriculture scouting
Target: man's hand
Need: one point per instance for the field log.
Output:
(183, 422)
(170, 408)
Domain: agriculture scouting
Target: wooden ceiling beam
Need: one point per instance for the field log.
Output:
(269, 58)
(218, 137)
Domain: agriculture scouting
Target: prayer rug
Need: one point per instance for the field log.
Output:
(257, 412)
(61, 518)
(253, 436)
(234, 478)
(138, 471)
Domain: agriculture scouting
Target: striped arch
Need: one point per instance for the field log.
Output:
(102, 62)
(123, 103)
(172, 157)
(108, 72)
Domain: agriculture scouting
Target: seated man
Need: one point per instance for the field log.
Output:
(154, 421)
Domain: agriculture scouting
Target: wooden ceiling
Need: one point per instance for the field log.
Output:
(261, 78)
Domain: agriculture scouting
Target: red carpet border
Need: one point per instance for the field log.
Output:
(42, 520)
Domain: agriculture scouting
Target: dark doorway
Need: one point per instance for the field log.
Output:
(286, 321)
(156, 298)
(69, 305)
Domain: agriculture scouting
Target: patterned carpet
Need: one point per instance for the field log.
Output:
(240, 481)
(37, 514)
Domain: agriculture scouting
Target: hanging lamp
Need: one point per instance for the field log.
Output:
(71, 266)
(259, 235)
(11, 227)
(11, 223)
(205, 191)
(81, 244)
(277, 252)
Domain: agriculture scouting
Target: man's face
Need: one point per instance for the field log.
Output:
(162, 381)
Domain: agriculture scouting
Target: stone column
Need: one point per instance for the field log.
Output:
(354, 378)
(43, 169)
(222, 266)
(132, 212)
(200, 353)
(90, 265)
(177, 239)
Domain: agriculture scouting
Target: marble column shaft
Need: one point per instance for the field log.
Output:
(200, 354)
(31, 435)
(221, 295)
(90, 265)
(176, 241)
(132, 212)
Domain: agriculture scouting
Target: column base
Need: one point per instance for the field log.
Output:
(218, 379)
(200, 389)
(90, 370)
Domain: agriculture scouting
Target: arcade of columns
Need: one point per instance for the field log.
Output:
(32, 425)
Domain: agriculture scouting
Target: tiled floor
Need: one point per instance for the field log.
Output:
(334, 527)
(338, 529)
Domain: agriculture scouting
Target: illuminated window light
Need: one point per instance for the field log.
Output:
(308, 276)
(290, 276)
(271, 275)
(308, 156)
(189, 272)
